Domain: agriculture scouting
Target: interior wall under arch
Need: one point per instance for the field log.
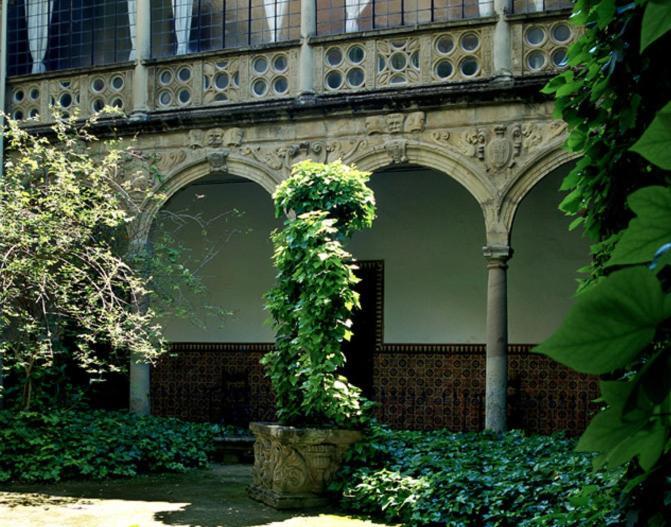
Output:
(542, 275)
(429, 232)
(240, 272)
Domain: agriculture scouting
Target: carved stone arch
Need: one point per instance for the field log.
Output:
(182, 176)
(428, 156)
(537, 168)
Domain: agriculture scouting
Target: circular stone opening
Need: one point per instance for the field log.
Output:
(280, 85)
(559, 57)
(333, 80)
(535, 35)
(561, 33)
(165, 77)
(260, 65)
(356, 54)
(444, 69)
(98, 85)
(334, 57)
(280, 63)
(165, 98)
(117, 82)
(355, 77)
(444, 44)
(469, 66)
(470, 42)
(536, 60)
(398, 61)
(184, 74)
(184, 96)
(259, 87)
(221, 81)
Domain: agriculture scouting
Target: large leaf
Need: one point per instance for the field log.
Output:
(649, 230)
(610, 323)
(656, 21)
(655, 143)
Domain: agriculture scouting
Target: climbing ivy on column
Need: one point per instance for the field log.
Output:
(314, 297)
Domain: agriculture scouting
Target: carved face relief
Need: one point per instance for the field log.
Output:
(233, 137)
(395, 123)
(375, 125)
(415, 122)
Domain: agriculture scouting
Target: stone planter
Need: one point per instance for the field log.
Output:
(293, 466)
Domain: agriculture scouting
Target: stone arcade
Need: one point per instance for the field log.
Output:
(440, 100)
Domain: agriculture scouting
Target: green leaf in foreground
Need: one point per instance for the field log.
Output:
(649, 230)
(610, 323)
(655, 143)
(656, 22)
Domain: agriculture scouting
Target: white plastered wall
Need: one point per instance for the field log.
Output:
(542, 277)
(429, 232)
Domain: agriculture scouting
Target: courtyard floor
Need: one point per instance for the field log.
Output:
(215, 497)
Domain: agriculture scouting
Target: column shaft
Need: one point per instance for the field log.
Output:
(142, 52)
(497, 339)
(139, 387)
(306, 58)
(502, 52)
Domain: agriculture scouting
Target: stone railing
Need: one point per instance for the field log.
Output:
(442, 54)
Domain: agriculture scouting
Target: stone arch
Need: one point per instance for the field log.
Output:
(184, 175)
(539, 167)
(428, 156)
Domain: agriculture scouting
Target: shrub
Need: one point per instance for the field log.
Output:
(96, 444)
(454, 480)
(314, 296)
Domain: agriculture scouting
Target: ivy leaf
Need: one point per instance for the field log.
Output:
(648, 231)
(655, 143)
(610, 323)
(656, 22)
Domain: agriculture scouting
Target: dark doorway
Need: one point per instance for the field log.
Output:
(366, 325)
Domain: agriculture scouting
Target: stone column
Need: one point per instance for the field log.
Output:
(497, 337)
(139, 387)
(306, 57)
(140, 371)
(142, 53)
(502, 52)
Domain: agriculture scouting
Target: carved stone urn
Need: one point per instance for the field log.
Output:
(293, 466)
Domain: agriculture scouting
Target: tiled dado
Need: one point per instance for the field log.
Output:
(216, 80)
(416, 386)
(85, 93)
(454, 55)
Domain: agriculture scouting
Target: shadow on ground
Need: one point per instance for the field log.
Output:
(215, 497)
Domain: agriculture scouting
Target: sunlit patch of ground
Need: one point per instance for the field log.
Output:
(204, 498)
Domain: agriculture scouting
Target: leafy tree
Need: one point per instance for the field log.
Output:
(67, 297)
(314, 296)
(616, 103)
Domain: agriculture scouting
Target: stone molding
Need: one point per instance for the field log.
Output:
(497, 158)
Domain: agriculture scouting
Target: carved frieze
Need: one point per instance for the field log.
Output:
(395, 123)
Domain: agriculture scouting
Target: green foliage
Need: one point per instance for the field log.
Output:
(460, 480)
(314, 296)
(66, 293)
(616, 103)
(75, 444)
(610, 95)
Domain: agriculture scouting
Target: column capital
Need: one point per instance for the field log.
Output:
(497, 255)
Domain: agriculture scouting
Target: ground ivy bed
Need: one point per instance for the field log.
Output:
(96, 444)
(447, 479)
